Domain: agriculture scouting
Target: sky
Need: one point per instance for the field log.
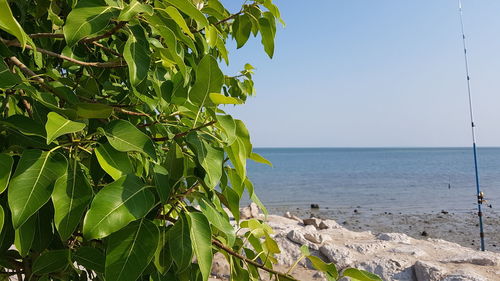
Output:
(363, 73)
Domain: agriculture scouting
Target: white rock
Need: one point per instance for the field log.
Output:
(288, 215)
(340, 256)
(254, 210)
(428, 271)
(394, 237)
(473, 258)
(329, 224)
(314, 237)
(297, 237)
(463, 276)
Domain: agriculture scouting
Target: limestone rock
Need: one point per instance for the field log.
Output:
(428, 271)
(249, 212)
(312, 221)
(338, 255)
(297, 237)
(220, 266)
(394, 237)
(314, 237)
(288, 215)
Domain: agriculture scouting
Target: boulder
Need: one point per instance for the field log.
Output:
(340, 256)
(296, 237)
(473, 258)
(312, 221)
(314, 237)
(249, 212)
(428, 271)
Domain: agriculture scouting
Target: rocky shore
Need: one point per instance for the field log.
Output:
(391, 255)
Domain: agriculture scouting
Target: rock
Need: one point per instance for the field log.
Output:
(408, 250)
(389, 269)
(463, 276)
(323, 225)
(296, 237)
(394, 237)
(254, 210)
(312, 221)
(315, 237)
(220, 266)
(314, 206)
(342, 257)
(428, 271)
(288, 215)
(473, 259)
(249, 212)
(424, 233)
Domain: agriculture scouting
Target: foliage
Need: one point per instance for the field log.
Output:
(111, 132)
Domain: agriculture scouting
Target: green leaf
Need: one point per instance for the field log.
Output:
(25, 125)
(163, 258)
(209, 79)
(242, 27)
(136, 54)
(116, 205)
(115, 163)
(125, 137)
(360, 275)
(211, 35)
(24, 236)
(87, 19)
(201, 237)
(93, 110)
(267, 33)
(227, 124)
(189, 9)
(221, 99)
(71, 196)
(52, 261)
(7, 78)
(259, 159)
(131, 10)
(6, 163)
(57, 126)
(171, 42)
(33, 183)
(91, 258)
(209, 158)
(2, 218)
(10, 25)
(328, 268)
(162, 182)
(130, 250)
(179, 241)
(217, 220)
(177, 17)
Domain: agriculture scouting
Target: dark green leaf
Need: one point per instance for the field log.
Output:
(71, 196)
(179, 242)
(51, 261)
(328, 268)
(7, 78)
(6, 163)
(162, 182)
(9, 24)
(136, 54)
(24, 236)
(90, 258)
(124, 136)
(218, 220)
(116, 205)
(131, 10)
(33, 183)
(267, 33)
(93, 110)
(88, 18)
(130, 251)
(242, 28)
(24, 125)
(210, 159)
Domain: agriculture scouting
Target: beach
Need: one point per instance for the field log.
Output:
(461, 228)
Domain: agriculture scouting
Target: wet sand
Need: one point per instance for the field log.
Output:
(461, 228)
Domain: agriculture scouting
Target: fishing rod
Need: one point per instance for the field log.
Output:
(480, 195)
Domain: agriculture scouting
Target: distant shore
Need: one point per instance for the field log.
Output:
(460, 228)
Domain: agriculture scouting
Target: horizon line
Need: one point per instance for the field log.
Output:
(285, 147)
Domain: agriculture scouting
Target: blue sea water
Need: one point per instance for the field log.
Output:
(404, 180)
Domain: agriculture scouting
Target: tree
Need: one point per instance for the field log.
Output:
(117, 160)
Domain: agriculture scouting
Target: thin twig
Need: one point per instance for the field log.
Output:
(108, 49)
(131, 112)
(15, 43)
(186, 132)
(230, 251)
(112, 31)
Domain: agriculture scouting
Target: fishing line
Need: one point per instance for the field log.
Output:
(480, 196)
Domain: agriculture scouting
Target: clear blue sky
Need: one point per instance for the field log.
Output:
(356, 73)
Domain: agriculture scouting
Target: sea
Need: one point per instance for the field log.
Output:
(404, 180)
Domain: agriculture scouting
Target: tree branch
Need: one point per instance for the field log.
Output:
(63, 57)
(131, 112)
(230, 251)
(112, 31)
(221, 21)
(186, 132)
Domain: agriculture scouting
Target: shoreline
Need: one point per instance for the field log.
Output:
(457, 227)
